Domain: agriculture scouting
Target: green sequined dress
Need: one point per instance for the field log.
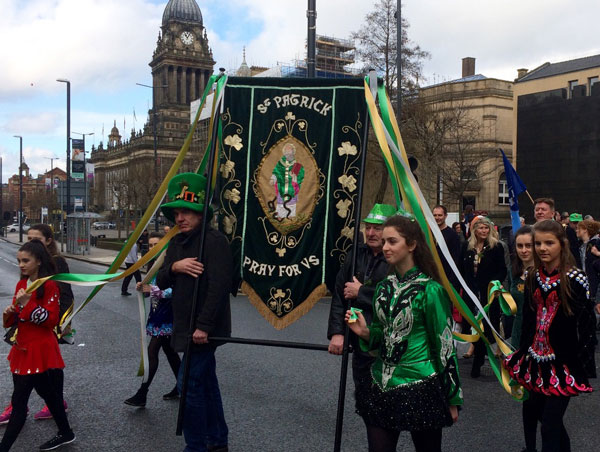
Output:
(414, 376)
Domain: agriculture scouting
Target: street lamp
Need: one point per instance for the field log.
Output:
(20, 186)
(52, 180)
(68, 141)
(85, 191)
(155, 137)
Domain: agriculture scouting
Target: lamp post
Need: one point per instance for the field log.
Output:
(85, 191)
(20, 186)
(154, 121)
(399, 59)
(68, 142)
(311, 59)
(52, 179)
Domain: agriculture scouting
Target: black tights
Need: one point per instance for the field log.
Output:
(156, 343)
(44, 386)
(549, 410)
(384, 440)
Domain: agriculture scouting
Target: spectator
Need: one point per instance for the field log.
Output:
(132, 258)
(543, 209)
(574, 242)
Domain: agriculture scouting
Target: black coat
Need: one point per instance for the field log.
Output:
(214, 312)
(492, 266)
(370, 270)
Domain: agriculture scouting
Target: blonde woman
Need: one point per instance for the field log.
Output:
(482, 261)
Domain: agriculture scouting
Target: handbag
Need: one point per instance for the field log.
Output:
(10, 337)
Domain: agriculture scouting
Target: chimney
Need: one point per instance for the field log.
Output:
(521, 73)
(468, 66)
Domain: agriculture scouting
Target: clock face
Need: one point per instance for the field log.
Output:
(187, 37)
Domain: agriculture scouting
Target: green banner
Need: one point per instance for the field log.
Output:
(288, 185)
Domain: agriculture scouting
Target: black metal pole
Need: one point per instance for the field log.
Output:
(155, 149)
(68, 148)
(339, 422)
(271, 343)
(20, 187)
(205, 220)
(311, 39)
(399, 60)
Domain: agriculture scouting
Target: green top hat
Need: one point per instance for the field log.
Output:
(379, 213)
(575, 217)
(186, 191)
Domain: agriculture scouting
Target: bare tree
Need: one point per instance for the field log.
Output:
(377, 47)
(448, 142)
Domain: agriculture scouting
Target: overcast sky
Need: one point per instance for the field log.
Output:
(104, 47)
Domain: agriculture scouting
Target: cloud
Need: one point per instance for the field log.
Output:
(99, 43)
(42, 123)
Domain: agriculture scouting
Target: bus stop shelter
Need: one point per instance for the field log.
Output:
(78, 232)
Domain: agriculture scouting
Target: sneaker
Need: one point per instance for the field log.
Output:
(174, 394)
(45, 413)
(5, 416)
(59, 440)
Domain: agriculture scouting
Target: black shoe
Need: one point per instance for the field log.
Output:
(139, 399)
(174, 394)
(59, 440)
(125, 294)
(218, 448)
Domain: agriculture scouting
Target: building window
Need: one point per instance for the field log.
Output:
(572, 84)
(591, 82)
(503, 191)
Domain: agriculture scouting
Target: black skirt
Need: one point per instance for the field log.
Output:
(415, 407)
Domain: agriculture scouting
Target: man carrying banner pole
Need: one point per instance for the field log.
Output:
(185, 267)
(371, 267)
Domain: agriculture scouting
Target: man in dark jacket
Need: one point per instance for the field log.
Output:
(371, 268)
(204, 425)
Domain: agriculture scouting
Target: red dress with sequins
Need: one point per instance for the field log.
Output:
(556, 354)
(36, 348)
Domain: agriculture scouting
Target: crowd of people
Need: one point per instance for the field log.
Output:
(401, 321)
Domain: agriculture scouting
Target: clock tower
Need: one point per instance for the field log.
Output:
(181, 65)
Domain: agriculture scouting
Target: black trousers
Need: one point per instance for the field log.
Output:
(23, 385)
(549, 410)
(127, 280)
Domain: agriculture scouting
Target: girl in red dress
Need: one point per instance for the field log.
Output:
(36, 350)
(555, 357)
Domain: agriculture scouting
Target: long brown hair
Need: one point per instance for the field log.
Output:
(517, 263)
(566, 261)
(46, 231)
(412, 233)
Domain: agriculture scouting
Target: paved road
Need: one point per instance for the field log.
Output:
(275, 399)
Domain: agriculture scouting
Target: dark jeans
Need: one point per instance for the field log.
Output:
(136, 274)
(23, 385)
(549, 410)
(204, 421)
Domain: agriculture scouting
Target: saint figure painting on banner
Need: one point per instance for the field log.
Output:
(286, 179)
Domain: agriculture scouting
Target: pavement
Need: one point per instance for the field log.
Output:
(95, 256)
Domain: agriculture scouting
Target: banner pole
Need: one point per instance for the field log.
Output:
(339, 422)
(205, 220)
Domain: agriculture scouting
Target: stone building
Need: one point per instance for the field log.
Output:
(37, 193)
(472, 170)
(129, 169)
(557, 133)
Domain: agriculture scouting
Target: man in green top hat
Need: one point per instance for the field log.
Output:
(371, 267)
(204, 425)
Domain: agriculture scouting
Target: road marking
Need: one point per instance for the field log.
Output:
(9, 261)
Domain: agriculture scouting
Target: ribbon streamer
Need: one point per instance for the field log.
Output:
(394, 153)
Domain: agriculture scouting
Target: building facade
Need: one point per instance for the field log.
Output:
(464, 124)
(557, 133)
(127, 171)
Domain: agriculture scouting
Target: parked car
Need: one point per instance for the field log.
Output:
(101, 225)
(15, 227)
